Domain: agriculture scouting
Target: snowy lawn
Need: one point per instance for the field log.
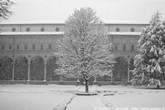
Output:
(131, 97)
(33, 97)
(47, 97)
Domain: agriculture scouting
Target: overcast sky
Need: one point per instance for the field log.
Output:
(57, 11)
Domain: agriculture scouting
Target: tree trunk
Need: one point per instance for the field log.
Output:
(86, 86)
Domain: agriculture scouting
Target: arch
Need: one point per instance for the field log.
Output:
(51, 67)
(6, 65)
(37, 68)
(21, 68)
(120, 69)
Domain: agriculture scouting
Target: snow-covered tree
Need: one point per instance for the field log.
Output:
(151, 46)
(85, 47)
(5, 8)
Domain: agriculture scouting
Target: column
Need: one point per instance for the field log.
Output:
(13, 69)
(45, 69)
(111, 77)
(29, 60)
(128, 69)
(95, 79)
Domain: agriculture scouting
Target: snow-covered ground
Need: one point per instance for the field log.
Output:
(46, 97)
(33, 97)
(126, 97)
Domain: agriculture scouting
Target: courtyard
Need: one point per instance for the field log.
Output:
(62, 97)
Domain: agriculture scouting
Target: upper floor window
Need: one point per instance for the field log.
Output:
(124, 47)
(13, 29)
(10, 47)
(42, 29)
(117, 29)
(17, 47)
(3, 47)
(34, 47)
(132, 30)
(42, 47)
(50, 46)
(25, 47)
(116, 48)
(57, 29)
(132, 48)
(28, 29)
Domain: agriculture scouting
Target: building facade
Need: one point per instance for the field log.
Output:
(29, 52)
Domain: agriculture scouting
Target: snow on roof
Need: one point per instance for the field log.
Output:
(61, 33)
(31, 33)
(57, 23)
(125, 33)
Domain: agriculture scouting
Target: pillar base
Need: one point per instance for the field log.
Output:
(28, 81)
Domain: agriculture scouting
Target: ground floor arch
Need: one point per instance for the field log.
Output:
(37, 68)
(43, 68)
(6, 67)
(51, 67)
(21, 68)
(120, 71)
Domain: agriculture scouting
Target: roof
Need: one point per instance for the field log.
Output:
(53, 23)
(31, 33)
(61, 33)
(125, 33)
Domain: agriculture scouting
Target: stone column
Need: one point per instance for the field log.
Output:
(45, 69)
(29, 61)
(111, 77)
(13, 69)
(128, 58)
(95, 80)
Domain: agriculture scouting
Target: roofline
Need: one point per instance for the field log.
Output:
(32, 23)
(44, 23)
(126, 23)
(124, 33)
(31, 33)
(62, 33)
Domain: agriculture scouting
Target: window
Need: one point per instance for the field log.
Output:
(34, 47)
(124, 47)
(57, 29)
(28, 29)
(17, 47)
(42, 29)
(132, 30)
(117, 29)
(10, 47)
(3, 47)
(42, 47)
(132, 48)
(25, 47)
(50, 46)
(13, 29)
(116, 48)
